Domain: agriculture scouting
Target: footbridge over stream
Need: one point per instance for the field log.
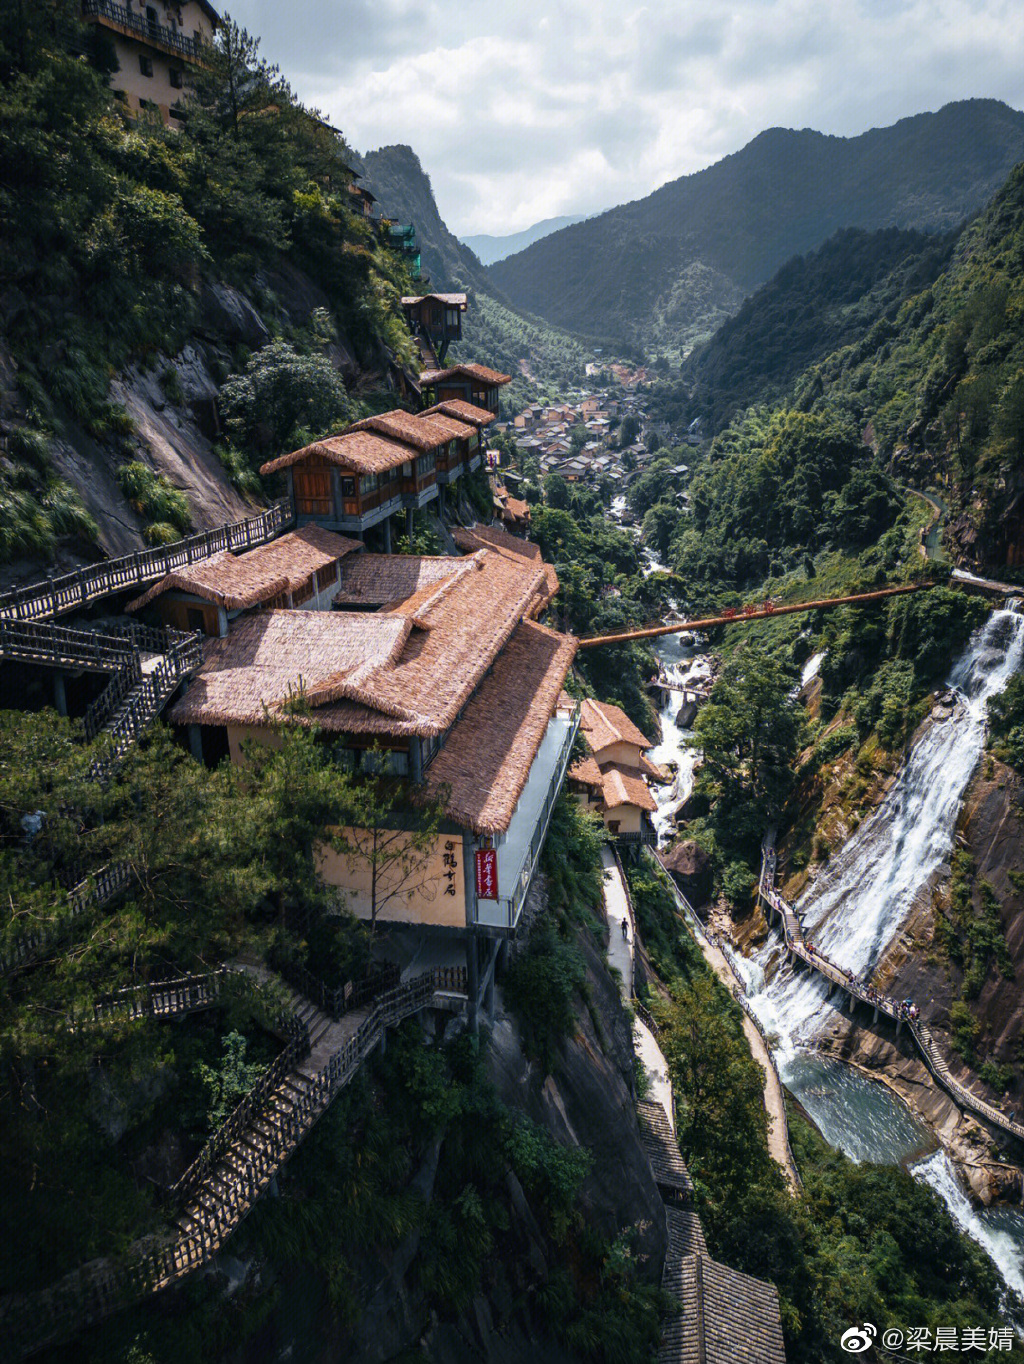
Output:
(856, 989)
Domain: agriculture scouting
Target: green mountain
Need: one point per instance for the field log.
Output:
(814, 305)
(541, 359)
(666, 269)
(489, 249)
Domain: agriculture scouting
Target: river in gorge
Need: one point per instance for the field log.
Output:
(852, 912)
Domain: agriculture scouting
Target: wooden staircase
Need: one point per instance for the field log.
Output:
(235, 1168)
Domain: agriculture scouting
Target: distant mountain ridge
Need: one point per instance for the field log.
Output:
(489, 249)
(665, 269)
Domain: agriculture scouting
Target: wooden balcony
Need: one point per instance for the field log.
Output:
(125, 21)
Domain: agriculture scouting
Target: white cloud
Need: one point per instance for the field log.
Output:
(574, 105)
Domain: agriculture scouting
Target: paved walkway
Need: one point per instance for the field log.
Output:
(774, 1097)
(620, 955)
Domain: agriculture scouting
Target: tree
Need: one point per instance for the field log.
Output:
(235, 83)
(556, 492)
(629, 429)
(579, 438)
(280, 392)
(391, 846)
(749, 730)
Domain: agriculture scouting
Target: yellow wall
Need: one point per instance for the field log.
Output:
(630, 818)
(626, 754)
(434, 892)
(238, 734)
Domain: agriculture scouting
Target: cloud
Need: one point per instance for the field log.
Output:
(570, 106)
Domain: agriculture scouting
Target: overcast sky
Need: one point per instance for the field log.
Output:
(524, 109)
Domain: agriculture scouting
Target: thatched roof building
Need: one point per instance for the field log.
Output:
(454, 655)
(463, 412)
(239, 582)
(357, 452)
(496, 538)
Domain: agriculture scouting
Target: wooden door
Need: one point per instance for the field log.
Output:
(312, 485)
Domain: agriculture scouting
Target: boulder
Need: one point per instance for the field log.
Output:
(691, 866)
(695, 806)
(228, 314)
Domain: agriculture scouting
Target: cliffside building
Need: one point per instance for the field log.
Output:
(155, 41)
(612, 779)
(474, 384)
(396, 461)
(435, 321)
(432, 675)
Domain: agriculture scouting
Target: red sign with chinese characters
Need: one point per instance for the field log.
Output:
(486, 874)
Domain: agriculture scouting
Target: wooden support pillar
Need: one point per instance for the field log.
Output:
(195, 742)
(440, 500)
(874, 1017)
(387, 535)
(410, 523)
(473, 980)
(60, 696)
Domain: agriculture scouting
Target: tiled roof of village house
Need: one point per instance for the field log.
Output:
(479, 372)
(375, 580)
(625, 786)
(726, 1318)
(358, 452)
(451, 300)
(238, 582)
(463, 412)
(422, 433)
(662, 1149)
(486, 760)
(685, 1236)
(605, 724)
(452, 635)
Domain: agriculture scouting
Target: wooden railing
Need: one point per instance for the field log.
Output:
(76, 589)
(933, 1058)
(338, 1000)
(144, 28)
(159, 999)
(97, 889)
(227, 1186)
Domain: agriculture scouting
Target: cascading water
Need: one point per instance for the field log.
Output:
(851, 914)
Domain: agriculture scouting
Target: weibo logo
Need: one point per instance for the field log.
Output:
(858, 1338)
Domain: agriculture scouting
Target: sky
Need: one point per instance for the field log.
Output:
(523, 110)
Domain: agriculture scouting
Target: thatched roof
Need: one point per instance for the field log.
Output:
(448, 427)
(450, 633)
(726, 1318)
(357, 452)
(622, 785)
(463, 412)
(375, 580)
(268, 657)
(449, 300)
(497, 538)
(238, 582)
(487, 757)
(605, 724)
(481, 373)
(586, 770)
(662, 1149)
(422, 433)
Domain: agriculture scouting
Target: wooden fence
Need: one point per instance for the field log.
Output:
(96, 889)
(71, 591)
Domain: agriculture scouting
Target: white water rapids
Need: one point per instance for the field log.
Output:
(853, 911)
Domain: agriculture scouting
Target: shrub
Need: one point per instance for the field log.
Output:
(539, 988)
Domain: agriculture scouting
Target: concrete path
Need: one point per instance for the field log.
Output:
(620, 955)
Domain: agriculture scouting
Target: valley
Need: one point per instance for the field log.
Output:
(512, 779)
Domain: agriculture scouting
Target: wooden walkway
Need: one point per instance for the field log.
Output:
(879, 1002)
(234, 1169)
(72, 591)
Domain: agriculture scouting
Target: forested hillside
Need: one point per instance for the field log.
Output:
(142, 267)
(814, 305)
(663, 270)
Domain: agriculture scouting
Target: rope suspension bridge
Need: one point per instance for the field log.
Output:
(756, 611)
